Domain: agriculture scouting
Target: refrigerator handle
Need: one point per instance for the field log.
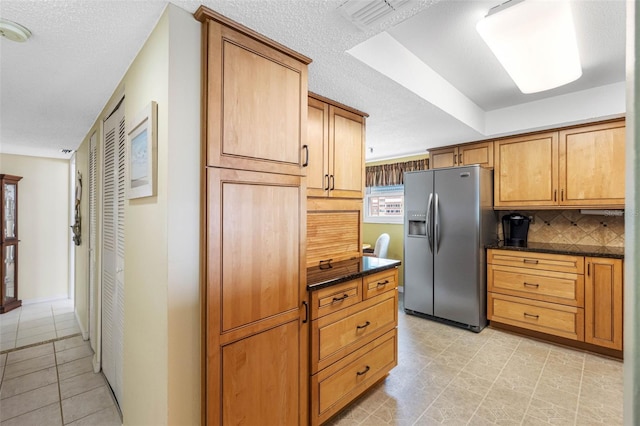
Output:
(436, 213)
(429, 236)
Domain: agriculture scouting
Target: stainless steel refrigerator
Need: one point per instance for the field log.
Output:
(449, 219)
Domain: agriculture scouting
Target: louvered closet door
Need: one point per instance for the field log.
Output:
(113, 250)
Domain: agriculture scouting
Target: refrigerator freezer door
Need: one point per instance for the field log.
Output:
(418, 256)
(456, 261)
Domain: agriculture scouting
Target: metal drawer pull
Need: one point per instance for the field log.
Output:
(366, 324)
(360, 373)
(340, 299)
(533, 261)
(531, 285)
(382, 284)
(531, 316)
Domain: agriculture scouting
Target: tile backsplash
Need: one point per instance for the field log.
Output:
(572, 227)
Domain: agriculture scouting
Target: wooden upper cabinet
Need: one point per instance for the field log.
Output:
(592, 165)
(578, 167)
(318, 148)
(603, 302)
(462, 155)
(477, 153)
(346, 150)
(443, 157)
(526, 171)
(335, 140)
(256, 109)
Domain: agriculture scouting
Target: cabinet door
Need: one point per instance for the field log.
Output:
(603, 302)
(318, 146)
(255, 281)
(592, 165)
(477, 153)
(445, 157)
(526, 171)
(260, 383)
(256, 108)
(254, 244)
(346, 151)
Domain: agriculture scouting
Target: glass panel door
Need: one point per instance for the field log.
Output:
(9, 278)
(10, 210)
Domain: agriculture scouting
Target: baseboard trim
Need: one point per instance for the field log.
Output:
(45, 300)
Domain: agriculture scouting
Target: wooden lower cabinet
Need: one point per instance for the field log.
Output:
(573, 297)
(256, 359)
(260, 378)
(603, 302)
(353, 340)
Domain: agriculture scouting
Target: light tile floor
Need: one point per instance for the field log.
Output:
(445, 375)
(449, 376)
(36, 323)
(54, 384)
(46, 370)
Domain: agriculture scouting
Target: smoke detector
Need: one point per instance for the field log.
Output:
(14, 31)
(365, 13)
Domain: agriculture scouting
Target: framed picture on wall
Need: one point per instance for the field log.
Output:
(142, 148)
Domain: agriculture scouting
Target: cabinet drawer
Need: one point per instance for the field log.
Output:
(379, 283)
(346, 331)
(537, 261)
(559, 320)
(335, 298)
(335, 335)
(339, 384)
(557, 287)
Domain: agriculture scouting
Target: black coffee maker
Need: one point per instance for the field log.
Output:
(515, 228)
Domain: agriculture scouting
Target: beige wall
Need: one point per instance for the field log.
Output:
(43, 221)
(371, 232)
(81, 271)
(162, 348)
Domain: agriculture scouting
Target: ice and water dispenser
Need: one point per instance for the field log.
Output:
(417, 223)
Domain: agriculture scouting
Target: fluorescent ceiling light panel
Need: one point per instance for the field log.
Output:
(535, 42)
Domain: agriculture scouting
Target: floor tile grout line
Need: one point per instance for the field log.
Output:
(535, 387)
(494, 380)
(575, 419)
(451, 381)
(55, 358)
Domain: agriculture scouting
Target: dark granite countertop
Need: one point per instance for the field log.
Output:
(570, 249)
(330, 274)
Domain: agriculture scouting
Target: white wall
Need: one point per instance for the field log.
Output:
(43, 221)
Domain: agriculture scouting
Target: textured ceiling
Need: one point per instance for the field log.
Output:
(53, 87)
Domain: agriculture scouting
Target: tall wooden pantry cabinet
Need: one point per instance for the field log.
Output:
(256, 308)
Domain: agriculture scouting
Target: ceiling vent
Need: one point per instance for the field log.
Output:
(365, 13)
